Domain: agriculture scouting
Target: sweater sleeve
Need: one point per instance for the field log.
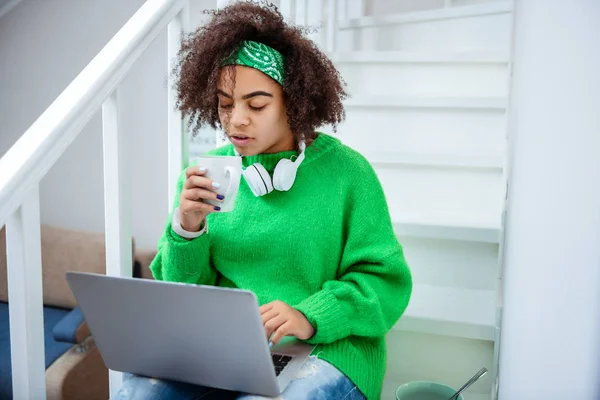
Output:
(183, 260)
(374, 283)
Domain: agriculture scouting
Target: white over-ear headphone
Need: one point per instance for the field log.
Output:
(284, 175)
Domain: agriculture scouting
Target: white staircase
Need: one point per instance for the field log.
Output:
(428, 108)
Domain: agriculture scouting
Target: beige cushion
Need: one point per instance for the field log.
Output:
(62, 250)
(80, 373)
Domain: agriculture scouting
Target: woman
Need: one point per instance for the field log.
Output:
(321, 257)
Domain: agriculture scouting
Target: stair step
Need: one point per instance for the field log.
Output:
(424, 74)
(447, 226)
(434, 160)
(451, 311)
(497, 7)
(471, 57)
(485, 103)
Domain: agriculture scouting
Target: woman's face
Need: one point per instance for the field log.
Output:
(252, 111)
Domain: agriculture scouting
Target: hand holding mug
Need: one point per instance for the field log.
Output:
(192, 208)
(209, 187)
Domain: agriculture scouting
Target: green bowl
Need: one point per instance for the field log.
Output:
(425, 391)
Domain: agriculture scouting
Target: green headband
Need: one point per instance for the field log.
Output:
(259, 56)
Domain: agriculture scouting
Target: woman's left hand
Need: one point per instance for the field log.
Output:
(281, 320)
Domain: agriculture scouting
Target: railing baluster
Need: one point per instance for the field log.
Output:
(300, 12)
(24, 257)
(332, 14)
(117, 212)
(288, 10)
(314, 20)
(354, 8)
(178, 141)
(342, 10)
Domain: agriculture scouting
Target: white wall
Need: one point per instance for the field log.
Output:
(551, 334)
(43, 46)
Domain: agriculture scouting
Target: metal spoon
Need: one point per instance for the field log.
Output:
(471, 381)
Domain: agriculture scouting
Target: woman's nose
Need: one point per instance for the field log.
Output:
(239, 117)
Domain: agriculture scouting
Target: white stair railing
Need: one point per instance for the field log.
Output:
(321, 17)
(32, 156)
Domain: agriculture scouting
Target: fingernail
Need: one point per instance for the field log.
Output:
(202, 169)
(220, 197)
(270, 344)
(216, 185)
(217, 208)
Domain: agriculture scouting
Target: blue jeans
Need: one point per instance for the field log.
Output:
(317, 380)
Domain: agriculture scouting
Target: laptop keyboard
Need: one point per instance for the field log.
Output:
(280, 361)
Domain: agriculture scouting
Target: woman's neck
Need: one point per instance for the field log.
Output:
(288, 143)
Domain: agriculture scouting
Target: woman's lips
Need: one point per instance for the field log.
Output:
(240, 141)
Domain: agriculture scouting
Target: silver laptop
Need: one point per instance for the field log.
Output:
(202, 335)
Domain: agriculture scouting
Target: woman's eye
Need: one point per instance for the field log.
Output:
(257, 108)
(226, 106)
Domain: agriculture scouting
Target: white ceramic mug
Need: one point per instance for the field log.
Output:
(227, 171)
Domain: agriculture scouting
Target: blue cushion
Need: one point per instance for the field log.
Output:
(66, 329)
(53, 349)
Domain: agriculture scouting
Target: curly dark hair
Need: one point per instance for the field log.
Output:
(313, 89)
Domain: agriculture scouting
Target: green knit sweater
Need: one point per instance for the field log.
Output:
(326, 247)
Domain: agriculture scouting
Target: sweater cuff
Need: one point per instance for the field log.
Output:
(326, 314)
(178, 229)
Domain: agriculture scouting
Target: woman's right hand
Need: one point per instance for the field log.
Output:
(197, 187)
